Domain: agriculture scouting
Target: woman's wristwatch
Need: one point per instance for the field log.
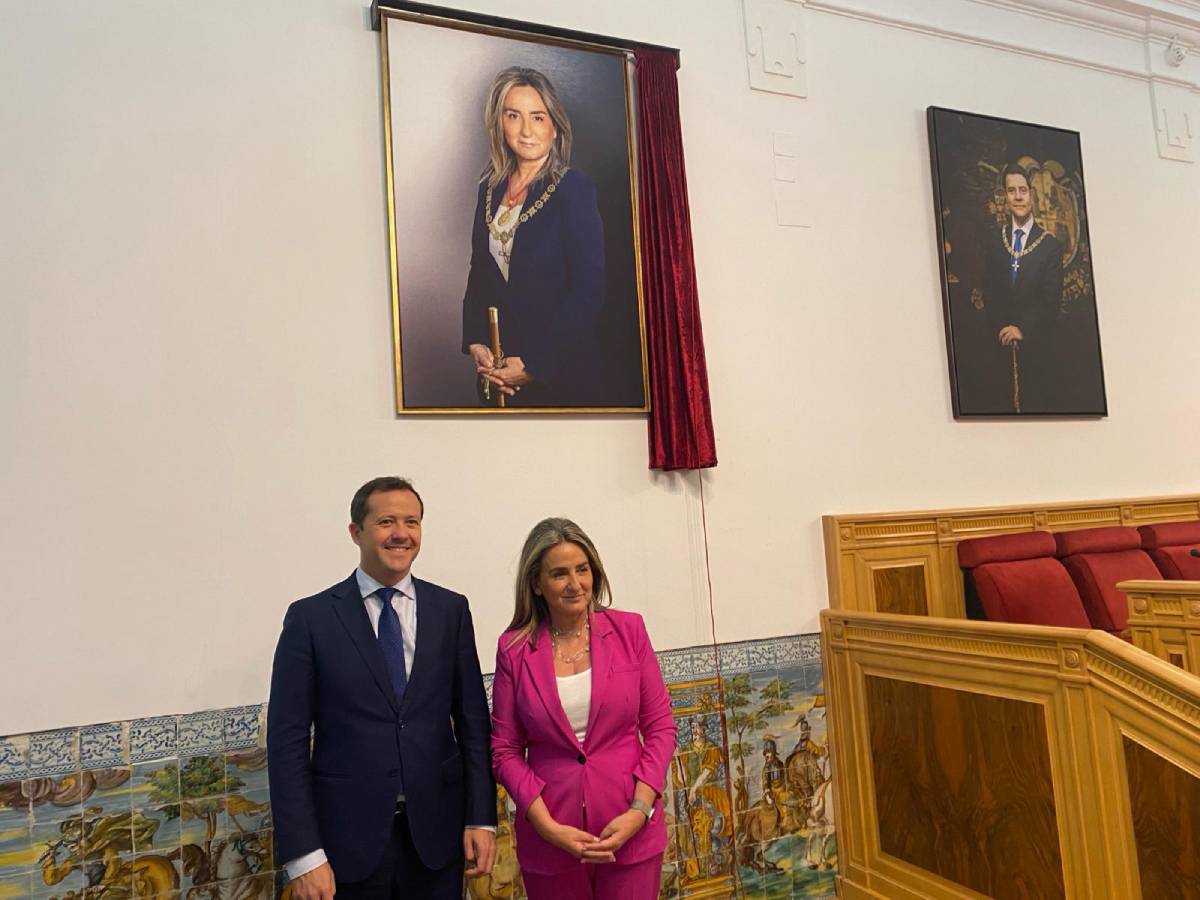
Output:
(643, 807)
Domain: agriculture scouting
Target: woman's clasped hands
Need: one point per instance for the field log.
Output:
(587, 847)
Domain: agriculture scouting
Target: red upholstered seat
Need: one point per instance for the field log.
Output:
(1017, 579)
(1098, 558)
(1170, 545)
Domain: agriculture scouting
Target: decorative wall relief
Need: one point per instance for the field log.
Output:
(775, 47)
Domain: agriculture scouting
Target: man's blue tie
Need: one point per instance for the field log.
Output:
(1018, 237)
(391, 641)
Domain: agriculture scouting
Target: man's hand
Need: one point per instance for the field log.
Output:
(479, 848)
(614, 836)
(1010, 334)
(315, 885)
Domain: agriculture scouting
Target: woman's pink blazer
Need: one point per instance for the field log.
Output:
(534, 750)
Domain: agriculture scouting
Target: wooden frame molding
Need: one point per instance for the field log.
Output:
(1009, 761)
(907, 562)
(1164, 619)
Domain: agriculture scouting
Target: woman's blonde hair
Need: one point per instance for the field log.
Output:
(530, 609)
(502, 162)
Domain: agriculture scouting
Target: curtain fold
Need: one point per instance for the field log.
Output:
(680, 427)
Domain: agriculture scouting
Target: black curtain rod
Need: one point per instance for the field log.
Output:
(442, 12)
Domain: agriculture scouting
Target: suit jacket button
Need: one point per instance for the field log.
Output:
(581, 759)
(401, 723)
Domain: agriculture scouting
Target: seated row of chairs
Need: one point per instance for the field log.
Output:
(1070, 577)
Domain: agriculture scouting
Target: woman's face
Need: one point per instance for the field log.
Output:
(528, 129)
(564, 581)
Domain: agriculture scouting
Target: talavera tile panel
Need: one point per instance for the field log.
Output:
(751, 738)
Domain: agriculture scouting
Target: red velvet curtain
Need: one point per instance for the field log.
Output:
(681, 429)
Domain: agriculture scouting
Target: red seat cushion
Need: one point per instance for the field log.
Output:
(1097, 540)
(1170, 534)
(1005, 548)
(1177, 563)
(1096, 575)
(1032, 591)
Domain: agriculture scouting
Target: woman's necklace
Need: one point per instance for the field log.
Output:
(584, 629)
(512, 199)
(504, 236)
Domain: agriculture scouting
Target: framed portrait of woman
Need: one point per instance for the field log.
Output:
(512, 219)
(1019, 298)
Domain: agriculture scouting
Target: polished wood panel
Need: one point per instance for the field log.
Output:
(901, 589)
(1164, 619)
(963, 787)
(968, 753)
(872, 542)
(1166, 824)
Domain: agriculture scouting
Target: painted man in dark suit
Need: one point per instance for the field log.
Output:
(1022, 289)
(382, 670)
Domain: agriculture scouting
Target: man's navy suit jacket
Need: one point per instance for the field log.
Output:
(330, 677)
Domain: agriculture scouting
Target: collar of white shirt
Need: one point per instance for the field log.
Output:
(1025, 229)
(368, 585)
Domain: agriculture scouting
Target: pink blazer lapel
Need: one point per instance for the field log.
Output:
(602, 664)
(539, 662)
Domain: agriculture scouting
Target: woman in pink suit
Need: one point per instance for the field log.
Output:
(582, 732)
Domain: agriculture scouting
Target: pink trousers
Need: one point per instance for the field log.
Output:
(638, 881)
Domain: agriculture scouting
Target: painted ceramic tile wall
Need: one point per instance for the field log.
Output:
(178, 806)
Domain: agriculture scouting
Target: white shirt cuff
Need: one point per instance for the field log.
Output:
(491, 828)
(306, 863)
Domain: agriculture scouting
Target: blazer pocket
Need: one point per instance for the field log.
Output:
(452, 769)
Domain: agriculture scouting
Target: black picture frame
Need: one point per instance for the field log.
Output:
(1039, 282)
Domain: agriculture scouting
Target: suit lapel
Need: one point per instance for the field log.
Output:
(540, 662)
(601, 667)
(349, 608)
(430, 626)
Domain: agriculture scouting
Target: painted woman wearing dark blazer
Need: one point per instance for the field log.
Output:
(537, 251)
(582, 732)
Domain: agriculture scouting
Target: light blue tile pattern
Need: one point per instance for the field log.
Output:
(53, 752)
(152, 738)
(241, 726)
(201, 732)
(14, 757)
(102, 745)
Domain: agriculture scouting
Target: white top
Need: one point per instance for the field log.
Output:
(575, 692)
(502, 253)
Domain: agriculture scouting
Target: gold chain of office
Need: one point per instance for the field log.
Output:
(505, 236)
(1024, 251)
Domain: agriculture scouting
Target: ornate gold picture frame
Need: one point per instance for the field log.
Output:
(512, 219)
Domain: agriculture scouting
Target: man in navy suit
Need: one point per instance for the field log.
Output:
(394, 789)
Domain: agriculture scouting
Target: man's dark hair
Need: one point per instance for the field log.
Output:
(1014, 169)
(381, 485)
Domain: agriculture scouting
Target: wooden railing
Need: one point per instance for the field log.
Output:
(1164, 619)
(977, 759)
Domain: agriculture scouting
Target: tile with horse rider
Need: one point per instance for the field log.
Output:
(780, 775)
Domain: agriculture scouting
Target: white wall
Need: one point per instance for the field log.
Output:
(195, 361)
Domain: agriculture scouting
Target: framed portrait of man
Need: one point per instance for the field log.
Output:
(512, 219)
(1022, 332)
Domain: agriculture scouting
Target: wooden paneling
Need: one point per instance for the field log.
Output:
(857, 545)
(963, 787)
(982, 758)
(1165, 801)
(1164, 619)
(901, 589)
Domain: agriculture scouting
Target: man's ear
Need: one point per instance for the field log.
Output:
(355, 531)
